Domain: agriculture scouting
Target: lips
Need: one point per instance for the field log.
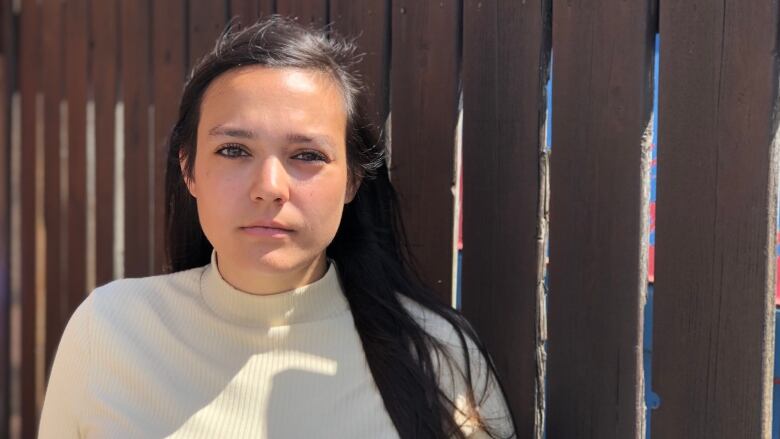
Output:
(267, 228)
(269, 225)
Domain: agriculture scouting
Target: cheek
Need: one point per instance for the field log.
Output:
(218, 197)
(219, 181)
(322, 201)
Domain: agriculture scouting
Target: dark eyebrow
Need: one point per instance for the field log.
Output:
(302, 138)
(298, 138)
(220, 130)
(242, 133)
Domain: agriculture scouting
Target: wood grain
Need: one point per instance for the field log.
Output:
(314, 12)
(105, 62)
(506, 50)
(716, 219)
(76, 77)
(53, 84)
(136, 32)
(246, 11)
(368, 22)
(207, 19)
(6, 61)
(170, 35)
(424, 102)
(599, 168)
(29, 50)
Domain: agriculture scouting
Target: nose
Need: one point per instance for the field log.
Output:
(270, 181)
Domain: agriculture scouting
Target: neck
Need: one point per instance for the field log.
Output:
(263, 283)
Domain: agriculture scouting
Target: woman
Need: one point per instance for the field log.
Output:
(291, 310)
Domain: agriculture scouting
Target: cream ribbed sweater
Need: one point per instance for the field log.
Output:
(186, 355)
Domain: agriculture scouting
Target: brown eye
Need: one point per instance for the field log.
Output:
(232, 151)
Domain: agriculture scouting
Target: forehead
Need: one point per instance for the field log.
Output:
(255, 88)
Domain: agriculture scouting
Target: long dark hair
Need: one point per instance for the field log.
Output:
(370, 245)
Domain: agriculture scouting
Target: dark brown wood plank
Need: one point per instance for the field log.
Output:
(602, 101)
(246, 11)
(207, 20)
(715, 224)
(369, 23)
(314, 12)
(5, 268)
(169, 69)
(6, 61)
(266, 7)
(52, 87)
(29, 56)
(506, 50)
(76, 77)
(136, 32)
(424, 97)
(105, 38)
(5, 245)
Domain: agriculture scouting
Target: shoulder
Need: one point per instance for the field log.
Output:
(102, 330)
(439, 327)
(431, 321)
(124, 307)
(463, 373)
(460, 356)
(133, 293)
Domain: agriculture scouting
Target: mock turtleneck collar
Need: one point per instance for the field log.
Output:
(319, 300)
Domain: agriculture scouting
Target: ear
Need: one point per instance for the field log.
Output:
(187, 181)
(353, 184)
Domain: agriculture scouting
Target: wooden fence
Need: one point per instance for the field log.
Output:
(89, 89)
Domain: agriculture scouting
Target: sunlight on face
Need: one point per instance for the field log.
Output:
(270, 173)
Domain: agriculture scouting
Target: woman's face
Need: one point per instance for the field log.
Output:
(270, 173)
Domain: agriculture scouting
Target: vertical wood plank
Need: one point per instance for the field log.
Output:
(5, 245)
(169, 70)
(266, 7)
(715, 224)
(207, 20)
(368, 22)
(76, 77)
(5, 211)
(52, 86)
(104, 74)
(424, 97)
(314, 12)
(246, 11)
(135, 79)
(29, 53)
(506, 50)
(602, 102)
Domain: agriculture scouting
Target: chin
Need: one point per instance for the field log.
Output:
(278, 260)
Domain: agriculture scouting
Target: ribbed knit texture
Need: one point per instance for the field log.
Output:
(186, 355)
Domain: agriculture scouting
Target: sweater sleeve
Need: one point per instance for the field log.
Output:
(66, 386)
